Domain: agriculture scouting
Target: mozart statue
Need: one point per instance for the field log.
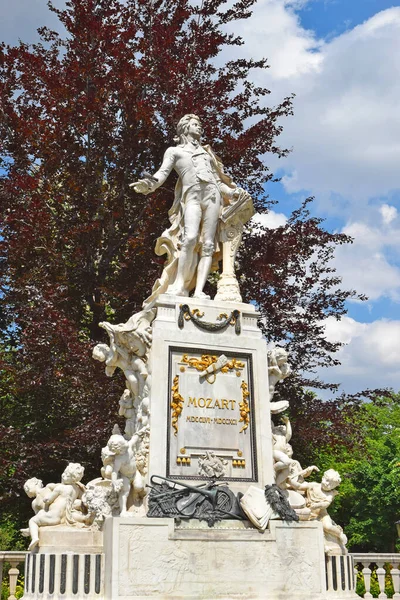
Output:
(203, 189)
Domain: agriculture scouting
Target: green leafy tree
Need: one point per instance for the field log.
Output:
(369, 501)
(10, 539)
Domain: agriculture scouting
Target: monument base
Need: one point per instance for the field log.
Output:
(69, 563)
(164, 558)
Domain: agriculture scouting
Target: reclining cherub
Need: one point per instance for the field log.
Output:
(54, 505)
(33, 488)
(319, 496)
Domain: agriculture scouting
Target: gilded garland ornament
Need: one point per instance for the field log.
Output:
(185, 314)
(176, 404)
(244, 407)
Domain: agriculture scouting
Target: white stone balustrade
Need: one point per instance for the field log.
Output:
(14, 559)
(369, 563)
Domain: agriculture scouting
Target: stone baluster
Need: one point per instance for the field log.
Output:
(14, 558)
(380, 573)
(395, 573)
(12, 577)
(367, 581)
(380, 559)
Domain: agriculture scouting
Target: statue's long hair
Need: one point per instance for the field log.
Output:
(182, 128)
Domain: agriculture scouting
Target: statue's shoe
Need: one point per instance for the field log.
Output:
(176, 292)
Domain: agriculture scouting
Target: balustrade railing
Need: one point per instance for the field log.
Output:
(379, 571)
(14, 559)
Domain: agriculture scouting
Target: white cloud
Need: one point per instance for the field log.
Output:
(364, 265)
(371, 357)
(274, 31)
(272, 220)
(389, 213)
(345, 135)
(343, 330)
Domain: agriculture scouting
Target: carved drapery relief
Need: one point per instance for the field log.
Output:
(233, 219)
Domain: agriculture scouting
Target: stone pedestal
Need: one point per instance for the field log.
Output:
(210, 419)
(225, 411)
(61, 539)
(69, 564)
(161, 559)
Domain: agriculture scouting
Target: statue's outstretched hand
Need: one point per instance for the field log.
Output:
(309, 470)
(143, 186)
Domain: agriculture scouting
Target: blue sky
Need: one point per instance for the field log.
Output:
(328, 18)
(340, 57)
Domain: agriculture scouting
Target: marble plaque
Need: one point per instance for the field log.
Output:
(211, 415)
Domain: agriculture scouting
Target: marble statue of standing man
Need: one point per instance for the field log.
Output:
(191, 243)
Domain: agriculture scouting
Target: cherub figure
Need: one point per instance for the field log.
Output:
(107, 458)
(128, 349)
(58, 503)
(33, 488)
(143, 416)
(282, 450)
(124, 471)
(319, 496)
(128, 410)
(288, 470)
(278, 368)
(134, 368)
(211, 465)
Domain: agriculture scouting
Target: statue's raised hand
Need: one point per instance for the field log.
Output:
(143, 186)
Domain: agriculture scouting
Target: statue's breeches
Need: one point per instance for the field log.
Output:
(201, 213)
